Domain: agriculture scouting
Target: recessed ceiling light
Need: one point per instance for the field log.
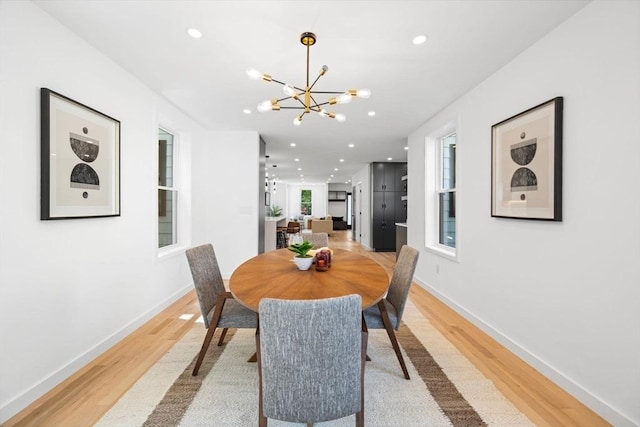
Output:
(371, 113)
(335, 169)
(351, 145)
(194, 32)
(389, 158)
(296, 160)
(342, 160)
(406, 148)
(246, 111)
(331, 175)
(299, 169)
(419, 39)
(293, 144)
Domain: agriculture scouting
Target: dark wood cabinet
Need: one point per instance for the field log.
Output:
(383, 224)
(388, 206)
(384, 177)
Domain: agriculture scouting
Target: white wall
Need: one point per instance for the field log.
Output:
(564, 296)
(70, 289)
(225, 211)
(362, 180)
(318, 199)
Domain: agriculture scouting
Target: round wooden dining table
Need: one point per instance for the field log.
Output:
(273, 274)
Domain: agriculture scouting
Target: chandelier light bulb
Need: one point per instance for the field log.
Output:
(288, 90)
(345, 98)
(264, 106)
(323, 70)
(363, 93)
(323, 113)
(254, 74)
(341, 117)
(297, 120)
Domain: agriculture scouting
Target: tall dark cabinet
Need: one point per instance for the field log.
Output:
(389, 204)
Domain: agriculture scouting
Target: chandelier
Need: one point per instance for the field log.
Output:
(304, 99)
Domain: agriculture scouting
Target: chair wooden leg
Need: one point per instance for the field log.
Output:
(224, 334)
(364, 329)
(217, 312)
(203, 350)
(392, 337)
(262, 420)
(364, 341)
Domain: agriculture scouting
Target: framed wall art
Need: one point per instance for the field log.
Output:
(80, 160)
(526, 164)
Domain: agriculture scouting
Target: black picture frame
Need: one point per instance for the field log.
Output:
(267, 198)
(79, 160)
(526, 164)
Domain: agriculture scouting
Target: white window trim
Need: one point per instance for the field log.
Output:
(178, 247)
(433, 174)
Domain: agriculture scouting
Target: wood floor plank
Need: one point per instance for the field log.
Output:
(86, 396)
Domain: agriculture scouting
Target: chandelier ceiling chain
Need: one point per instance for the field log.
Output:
(305, 97)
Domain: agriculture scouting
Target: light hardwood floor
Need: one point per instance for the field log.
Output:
(82, 399)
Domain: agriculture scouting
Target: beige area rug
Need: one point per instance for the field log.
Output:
(445, 388)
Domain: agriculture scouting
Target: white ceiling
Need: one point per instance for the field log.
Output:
(365, 44)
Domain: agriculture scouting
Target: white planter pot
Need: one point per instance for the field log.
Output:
(303, 263)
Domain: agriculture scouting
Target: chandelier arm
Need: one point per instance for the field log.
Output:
(278, 81)
(315, 81)
(291, 108)
(331, 93)
(324, 103)
(284, 99)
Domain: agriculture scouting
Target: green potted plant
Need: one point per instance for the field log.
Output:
(276, 210)
(302, 258)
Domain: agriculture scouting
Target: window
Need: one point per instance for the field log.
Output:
(305, 202)
(447, 191)
(441, 229)
(167, 191)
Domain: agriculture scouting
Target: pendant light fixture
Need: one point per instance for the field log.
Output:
(304, 99)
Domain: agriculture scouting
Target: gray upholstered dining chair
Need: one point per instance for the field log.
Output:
(318, 240)
(311, 357)
(387, 314)
(219, 308)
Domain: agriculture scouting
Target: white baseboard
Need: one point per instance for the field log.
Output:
(590, 400)
(21, 401)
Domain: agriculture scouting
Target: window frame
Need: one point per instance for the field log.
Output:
(174, 189)
(433, 190)
(440, 187)
(310, 205)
